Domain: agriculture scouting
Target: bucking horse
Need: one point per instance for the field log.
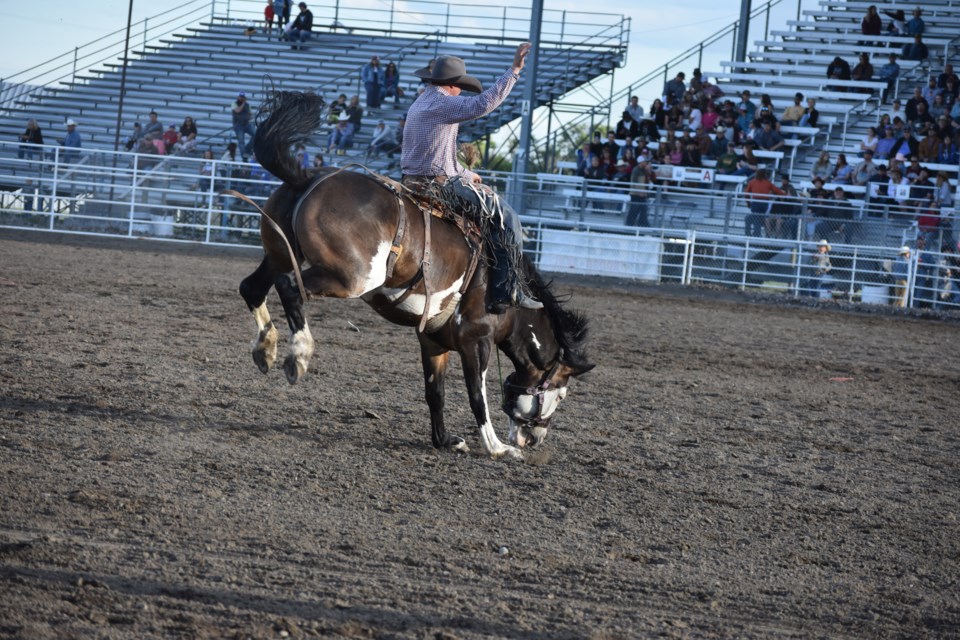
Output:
(340, 233)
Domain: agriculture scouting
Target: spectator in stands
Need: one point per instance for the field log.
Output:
(268, 15)
(885, 144)
(870, 25)
(898, 22)
(133, 140)
(242, 118)
(946, 76)
(819, 267)
(901, 274)
(71, 142)
(765, 111)
(915, 26)
(938, 108)
(911, 107)
(278, 11)
(691, 156)
(929, 148)
(744, 121)
(675, 117)
(863, 71)
(336, 108)
(676, 153)
(922, 192)
(318, 162)
(897, 195)
(302, 26)
(611, 146)
(839, 69)
(710, 118)
(674, 89)
(727, 162)
(647, 132)
(865, 170)
(341, 138)
(948, 151)
(154, 128)
(641, 181)
(187, 136)
(303, 158)
(869, 142)
(627, 127)
(768, 139)
(372, 77)
(658, 114)
(877, 187)
(889, 74)
(634, 108)
(694, 117)
(391, 83)
(383, 139)
(584, 157)
(916, 50)
(822, 168)
(170, 138)
(760, 191)
(810, 115)
(794, 113)
(704, 143)
(624, 167)
(596, 145)
(907, 145)
(748, 163)
(355, 113)
(784, 212)
(31, 136)
(718, 146)
(287, 5)
(923, 119)
(596, 171)
(206, 172)
(837, 220)
(747, 105)
(931, 91)
(912, 171)
(842, 171)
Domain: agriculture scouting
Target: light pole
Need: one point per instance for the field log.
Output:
(123, 80)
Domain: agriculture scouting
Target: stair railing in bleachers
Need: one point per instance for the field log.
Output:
(92, 55)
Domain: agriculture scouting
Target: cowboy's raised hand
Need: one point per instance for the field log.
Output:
(520, 57)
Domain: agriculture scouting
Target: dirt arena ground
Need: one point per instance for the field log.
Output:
(732, 468)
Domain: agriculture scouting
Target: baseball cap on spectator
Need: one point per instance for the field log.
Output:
(71, 122)
(241, 95)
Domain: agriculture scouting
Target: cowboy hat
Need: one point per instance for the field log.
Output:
(824, 243)
(450, 70)
(343, 117)
(71, 122)
(904, 250)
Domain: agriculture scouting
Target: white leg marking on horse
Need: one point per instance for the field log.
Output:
(301, 347)
(262, 316)
(491, 443)
(264, 345)
(378, 269)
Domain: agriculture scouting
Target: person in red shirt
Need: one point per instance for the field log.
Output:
(760, 191)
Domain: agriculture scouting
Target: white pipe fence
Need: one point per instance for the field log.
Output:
(178, 198)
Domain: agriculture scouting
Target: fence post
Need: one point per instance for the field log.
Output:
(133, 194)
(55, 186)
(210, 196)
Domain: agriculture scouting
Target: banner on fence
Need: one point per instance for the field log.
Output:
(600, 254)
(692, 174)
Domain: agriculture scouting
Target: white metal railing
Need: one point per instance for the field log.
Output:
(178, 198)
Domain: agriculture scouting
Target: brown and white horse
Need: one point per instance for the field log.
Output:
(342, 227)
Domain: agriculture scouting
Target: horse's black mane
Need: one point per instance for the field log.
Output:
(569, 327)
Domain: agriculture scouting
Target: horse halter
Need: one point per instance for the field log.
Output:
(546, 395)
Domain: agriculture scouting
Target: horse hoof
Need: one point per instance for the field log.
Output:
(292, 369)
(263, 363)
(456, 443)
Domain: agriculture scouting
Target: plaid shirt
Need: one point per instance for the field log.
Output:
(430, 133)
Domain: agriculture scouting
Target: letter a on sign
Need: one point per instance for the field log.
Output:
(706, 176)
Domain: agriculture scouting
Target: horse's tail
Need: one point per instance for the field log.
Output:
(283, 120)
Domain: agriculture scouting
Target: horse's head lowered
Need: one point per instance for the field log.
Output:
(546, 347)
